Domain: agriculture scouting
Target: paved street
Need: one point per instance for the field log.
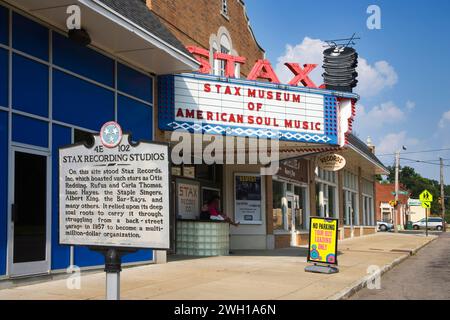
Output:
(423, 276)
(276, 274)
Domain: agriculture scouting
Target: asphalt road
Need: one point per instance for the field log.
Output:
(425, 276)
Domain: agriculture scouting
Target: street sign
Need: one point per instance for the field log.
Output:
(114, 193)
(426, 196)
(402, 193)
(426, 205)
(414, 202)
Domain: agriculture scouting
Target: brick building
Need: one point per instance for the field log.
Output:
(385, 193)
(217, 26)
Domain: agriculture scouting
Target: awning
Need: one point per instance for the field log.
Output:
(123, 28)
(360, 155)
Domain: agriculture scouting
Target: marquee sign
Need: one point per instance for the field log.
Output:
(208, 104)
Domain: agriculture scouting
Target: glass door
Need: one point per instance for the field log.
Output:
(30, 208)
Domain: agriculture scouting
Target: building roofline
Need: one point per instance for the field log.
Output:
(250, 27)
(360, 147)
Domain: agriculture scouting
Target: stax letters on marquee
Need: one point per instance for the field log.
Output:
(261, 70)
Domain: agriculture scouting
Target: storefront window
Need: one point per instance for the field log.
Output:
(278, 194)
(351, 206)
(368, 195)
(331, 201)
(205, 172)
(326, 200)
(318, 200)
(289, 206)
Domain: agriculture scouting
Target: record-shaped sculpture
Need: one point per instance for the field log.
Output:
(340, 64)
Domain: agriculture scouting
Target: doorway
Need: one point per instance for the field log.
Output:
(30, 208)
(293, 216)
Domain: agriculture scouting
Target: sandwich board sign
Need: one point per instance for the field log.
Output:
(114, 193)
(323, 240)
(114, 198)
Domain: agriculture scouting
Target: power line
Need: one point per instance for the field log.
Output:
(423, 161)
(413, 152)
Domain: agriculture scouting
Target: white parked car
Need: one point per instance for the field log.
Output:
(433, 223)
(384, 226)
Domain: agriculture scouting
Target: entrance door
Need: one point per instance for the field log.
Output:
(30, 207)
(292, 213)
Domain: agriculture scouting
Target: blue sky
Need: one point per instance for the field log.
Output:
(404, 67)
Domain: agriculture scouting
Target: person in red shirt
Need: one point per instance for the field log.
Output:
(215, 214)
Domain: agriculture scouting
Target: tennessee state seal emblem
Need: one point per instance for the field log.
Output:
(111, 134)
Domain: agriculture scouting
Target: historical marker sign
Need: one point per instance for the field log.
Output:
(114, 193)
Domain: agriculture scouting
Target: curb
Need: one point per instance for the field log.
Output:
(361, 284)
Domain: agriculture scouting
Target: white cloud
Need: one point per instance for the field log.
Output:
(377, 117)
(444, 119)
(392, 142)
(372, 78)
(410, 105)
(307, 52)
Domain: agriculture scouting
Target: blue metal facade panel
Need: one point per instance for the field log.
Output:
(29, 131)
(29, 86)
(82, 60)
(3, 78)
(3, 190)
(81, 103)
(4, 25)
(30, 37)
(141, 255)
(135, 117)
(60, 254)
(84, 257)
(134, 83)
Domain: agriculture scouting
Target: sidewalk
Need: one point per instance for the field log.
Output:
(275, 274)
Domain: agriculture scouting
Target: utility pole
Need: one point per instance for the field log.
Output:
(397, 165)
(442, 194)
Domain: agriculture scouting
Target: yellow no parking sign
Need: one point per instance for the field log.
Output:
(323, 240)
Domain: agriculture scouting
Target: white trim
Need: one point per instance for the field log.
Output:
(10, 152)
(367, 158)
